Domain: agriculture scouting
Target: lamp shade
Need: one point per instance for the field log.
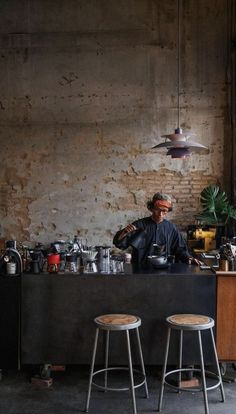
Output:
(179, 152)
(193, 146)
(179, 135)
(179, 141)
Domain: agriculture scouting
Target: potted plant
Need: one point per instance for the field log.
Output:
(217, 210)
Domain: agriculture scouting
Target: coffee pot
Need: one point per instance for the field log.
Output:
(89, 260)
(71, 264)
(90, 267)
(103, 258)
(137, 238)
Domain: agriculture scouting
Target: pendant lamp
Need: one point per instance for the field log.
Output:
(178, 144)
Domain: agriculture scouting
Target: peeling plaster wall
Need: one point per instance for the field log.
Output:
(87, 88)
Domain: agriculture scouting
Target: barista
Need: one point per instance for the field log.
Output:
(147, 234)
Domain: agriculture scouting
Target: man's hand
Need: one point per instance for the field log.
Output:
(126, 230)
(193, 260)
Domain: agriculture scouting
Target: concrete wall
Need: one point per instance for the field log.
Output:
(87, 88)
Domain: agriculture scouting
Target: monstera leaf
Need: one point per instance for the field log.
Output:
(216, 207)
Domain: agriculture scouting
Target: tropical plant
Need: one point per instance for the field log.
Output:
(217, 210)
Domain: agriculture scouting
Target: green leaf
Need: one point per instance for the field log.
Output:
(216, 207)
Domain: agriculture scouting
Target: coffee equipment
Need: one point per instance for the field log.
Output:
(137, 238)
(11, 260)
(59, 247)
(201, 239)
(103, 258)
(117, 264)
(91, 267)
(71, 264)
(89, 260)
(37, 261)
(77, 245)
(53, 260)
(159, 250)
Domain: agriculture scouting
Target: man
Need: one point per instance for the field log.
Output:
(154, 233)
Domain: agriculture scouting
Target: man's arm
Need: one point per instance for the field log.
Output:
(120, 240)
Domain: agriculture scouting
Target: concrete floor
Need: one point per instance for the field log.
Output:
(67, 395)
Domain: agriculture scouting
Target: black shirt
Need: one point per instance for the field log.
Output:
(149, 232)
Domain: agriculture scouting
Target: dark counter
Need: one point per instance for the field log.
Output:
(57, 311)
(9, 321)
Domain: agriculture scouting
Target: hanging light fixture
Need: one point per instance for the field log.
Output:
(178, 144)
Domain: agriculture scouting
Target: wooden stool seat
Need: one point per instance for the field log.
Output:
(190, 321)
(117, 322)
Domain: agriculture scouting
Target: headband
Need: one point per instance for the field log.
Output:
(162, 203)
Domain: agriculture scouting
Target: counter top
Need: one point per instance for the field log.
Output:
(129, 269)
(224, 273)
(172, 269)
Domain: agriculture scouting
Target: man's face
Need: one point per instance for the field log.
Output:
(159, 213)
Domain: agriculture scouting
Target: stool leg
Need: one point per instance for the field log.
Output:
(180, 356)
(142, 363)
(164, 370)
(217, 366)
(203, 373)
(92, 369)
(106, 359)
(131, 373)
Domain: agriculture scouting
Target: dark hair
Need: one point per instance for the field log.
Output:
(158, 196)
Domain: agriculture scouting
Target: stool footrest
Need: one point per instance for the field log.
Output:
(191, 389)
(135, 371)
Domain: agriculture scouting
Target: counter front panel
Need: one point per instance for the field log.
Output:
(57, 312)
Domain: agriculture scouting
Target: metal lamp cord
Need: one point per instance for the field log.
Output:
(178, 63)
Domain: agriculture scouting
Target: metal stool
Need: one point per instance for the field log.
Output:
(117, 322)
(189, 322)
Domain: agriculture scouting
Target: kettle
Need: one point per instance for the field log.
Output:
(53, 262)
(137, 238)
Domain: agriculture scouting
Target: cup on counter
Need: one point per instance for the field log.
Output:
(127, 257)
(116, 265)
(104, 266)
(224, 265)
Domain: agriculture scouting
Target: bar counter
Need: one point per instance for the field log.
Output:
(57, 311)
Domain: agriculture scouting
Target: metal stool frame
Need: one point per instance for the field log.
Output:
(126, 328)
(179, 370)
